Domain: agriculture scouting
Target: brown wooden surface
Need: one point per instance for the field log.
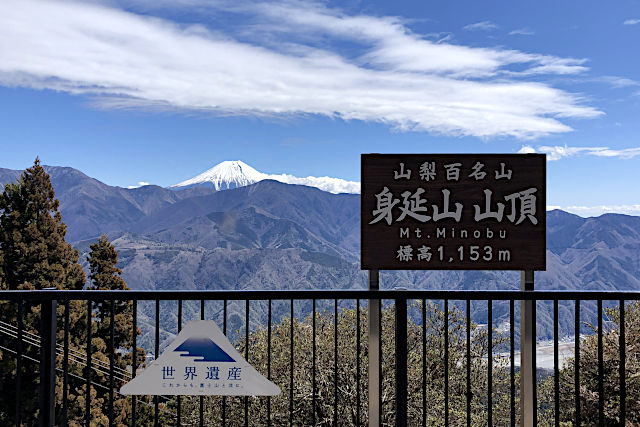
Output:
(525, 241)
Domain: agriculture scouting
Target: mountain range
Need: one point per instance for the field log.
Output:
(273, 235)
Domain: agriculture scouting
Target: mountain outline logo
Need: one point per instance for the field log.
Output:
(200, 361)
(203, 349)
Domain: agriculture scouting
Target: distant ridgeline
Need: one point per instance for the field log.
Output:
(271, 235)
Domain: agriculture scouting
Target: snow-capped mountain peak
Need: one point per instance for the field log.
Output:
(232, 174)
(226, 175)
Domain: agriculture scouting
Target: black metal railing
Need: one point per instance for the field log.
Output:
(467, 397)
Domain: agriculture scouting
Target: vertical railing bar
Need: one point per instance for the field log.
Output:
(134, 358)
(224, 331)
(156, 400)
(201, 400)
(374, 358)
(65, 366)
(556, 365)
(357, 362)
(528, 401)
(179, 408)
(313, 359)
(469, 393)
(47, 386)
(380, 371)
(600, 368)
(335, 363)
(111, 358)
(401, 361)
(512, 373)
(269, 363)
(87, 406)
(446, 362)
(490, 362)
(534, 346)
(20, 314)
(291, 371)
(246, 357)
(577, 362)
(623, 383)
(424, 362)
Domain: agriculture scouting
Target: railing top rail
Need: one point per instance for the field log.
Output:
(307, 294)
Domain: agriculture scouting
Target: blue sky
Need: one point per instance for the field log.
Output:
(133, 91)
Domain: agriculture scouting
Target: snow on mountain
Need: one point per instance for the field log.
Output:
(324, 183)
(225, 175)
(232, 174)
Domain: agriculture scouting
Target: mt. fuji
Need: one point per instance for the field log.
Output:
(233, 174)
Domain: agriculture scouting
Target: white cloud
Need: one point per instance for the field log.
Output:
(129, 60)
(140, 184)
(324, 183)
(522, 32)
(527, 149)
(553, 65)
(559, 152)
(480, 26)
(394, 46)
(631, 22)
(589, 211)
(626, 153)
(618, 82)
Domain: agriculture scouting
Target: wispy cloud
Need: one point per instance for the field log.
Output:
(140, 184)
(618, 82)
(480, 26)
(559, 152)
(522, 32)
(553, 65)
(631, 22)
(288, 61)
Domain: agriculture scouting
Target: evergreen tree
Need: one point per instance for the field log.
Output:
(104, 275)
(35, 254)
(2, 285)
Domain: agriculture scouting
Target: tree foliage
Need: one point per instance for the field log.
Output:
(588, 371)
(35, 254)
(104, 275)
(346, 375)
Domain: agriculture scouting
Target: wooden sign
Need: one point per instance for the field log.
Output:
(453, 212)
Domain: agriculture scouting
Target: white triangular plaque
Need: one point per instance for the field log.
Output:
(201, 361)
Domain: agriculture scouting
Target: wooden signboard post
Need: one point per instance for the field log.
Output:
(455, 212)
